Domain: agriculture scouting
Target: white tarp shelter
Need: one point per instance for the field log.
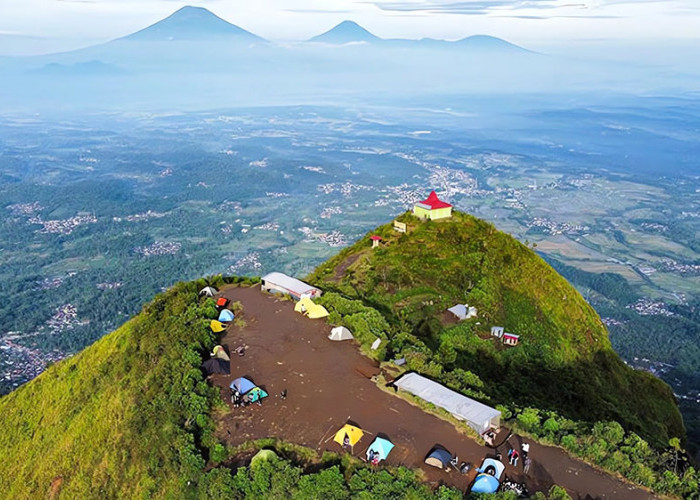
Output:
(279, 282)
(340, 333)
(477, 415)
(463, 311)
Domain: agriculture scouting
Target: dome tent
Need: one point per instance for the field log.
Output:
(340, 333)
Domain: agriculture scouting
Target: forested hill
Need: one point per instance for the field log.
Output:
(564, 361)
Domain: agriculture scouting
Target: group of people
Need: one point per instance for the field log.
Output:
(514, 456)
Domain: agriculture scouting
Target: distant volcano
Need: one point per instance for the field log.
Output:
(193, 23)
(346, 32)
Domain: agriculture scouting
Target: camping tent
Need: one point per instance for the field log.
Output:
(263, 455)
(216, 365)
(485, 483)
(242, 385)
(340, 333)
(380, 446)
(460, 310)
(209, 291)
(255, 394)
(225, 316)
(222, 302)
(220, 352)
(488, 477)
(216, 326)
(313, 311)
(353, 433)
(438, 457)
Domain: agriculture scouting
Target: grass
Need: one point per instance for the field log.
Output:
(564, 362)
(126, 417)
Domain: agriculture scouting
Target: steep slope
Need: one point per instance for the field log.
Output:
(192, 23)
(127, 417)
(564, 361)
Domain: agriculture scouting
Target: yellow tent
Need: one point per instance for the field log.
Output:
(314, 311)
(216, 326)
(353, 433)
(220, 352)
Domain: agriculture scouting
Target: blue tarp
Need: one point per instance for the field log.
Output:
(242, 385)
(485, 483)
(226, 316)
(380, 446)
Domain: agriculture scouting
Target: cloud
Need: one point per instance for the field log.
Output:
(466, 7)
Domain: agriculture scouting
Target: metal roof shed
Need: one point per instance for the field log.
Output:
(477, 415)
(286, 284)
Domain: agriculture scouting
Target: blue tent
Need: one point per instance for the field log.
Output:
(256, 394)
(225, 316)
(485, 483)
(380, 446)
(242, 385)
(438, 457)
(493, 467)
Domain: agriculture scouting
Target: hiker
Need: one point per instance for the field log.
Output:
(346, 441)
(283, 394)
(375, 459)
(240, 350)
(526, 464)
(514, 458)
(526, 449)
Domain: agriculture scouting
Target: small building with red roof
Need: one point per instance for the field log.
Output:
(432, 208)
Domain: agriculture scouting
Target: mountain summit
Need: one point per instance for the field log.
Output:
(193, 23)
(346, 32)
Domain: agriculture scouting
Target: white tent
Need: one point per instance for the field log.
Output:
(477, 415)
(209, 291)
(460, 310)
(340, 333)
(463, 311)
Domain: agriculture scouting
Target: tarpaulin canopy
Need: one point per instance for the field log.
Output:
(353, 433)
(216, 326)
(478, 416)
(242, 385)
(225, 316)
(216, 365)
(380, 446)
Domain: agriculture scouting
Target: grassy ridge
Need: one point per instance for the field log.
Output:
(126, 417)
(565, 361)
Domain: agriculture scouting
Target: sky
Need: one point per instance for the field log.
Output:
(41, 26)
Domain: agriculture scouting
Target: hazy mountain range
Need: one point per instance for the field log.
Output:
(194, 58)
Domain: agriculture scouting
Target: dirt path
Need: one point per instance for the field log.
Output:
(329, 383)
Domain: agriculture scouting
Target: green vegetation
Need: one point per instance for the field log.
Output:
(564, 362)
(127, 417)
(607, 445)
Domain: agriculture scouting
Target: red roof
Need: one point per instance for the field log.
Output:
(434, 202)
(375, 238)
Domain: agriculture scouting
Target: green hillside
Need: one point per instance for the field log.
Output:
(564, 361)
(126, 417)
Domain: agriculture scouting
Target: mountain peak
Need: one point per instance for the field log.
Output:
(192, 23)
(346, 32)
